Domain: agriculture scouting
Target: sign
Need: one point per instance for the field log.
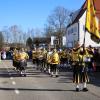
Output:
(64, 40)
(52, 40)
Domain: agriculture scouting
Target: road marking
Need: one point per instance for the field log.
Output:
(17, 91)
(11, 78)
(13, 82)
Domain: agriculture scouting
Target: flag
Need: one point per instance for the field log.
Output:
(91, 24)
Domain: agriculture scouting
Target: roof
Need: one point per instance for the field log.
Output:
(73, 16)
(84, 7)
(81, 12)
(41, 40)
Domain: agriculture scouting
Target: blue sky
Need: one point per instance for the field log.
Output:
(32, 13)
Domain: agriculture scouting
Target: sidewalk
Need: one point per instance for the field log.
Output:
(95, 75)
(95, 83)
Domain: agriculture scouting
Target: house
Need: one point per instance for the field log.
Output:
(76, 29)
(41, 42)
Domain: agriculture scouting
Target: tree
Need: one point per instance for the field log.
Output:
(24, 38)
(29, 42)
(17, 33)
(6, 34)
(38, 32)
(18, 36)
(57, 22)
(48, 31)
(1, 40)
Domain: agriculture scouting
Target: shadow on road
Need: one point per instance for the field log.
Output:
(95, 78)
(11, 72)
(65, 77)
(65, 80)
(25, 89)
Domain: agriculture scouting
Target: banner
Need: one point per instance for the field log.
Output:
(91, 24)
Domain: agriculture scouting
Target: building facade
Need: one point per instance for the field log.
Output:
(76, 29)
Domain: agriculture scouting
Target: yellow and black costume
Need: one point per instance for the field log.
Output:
(34, 56)
(54, 61)
(19, 59)
(80, 66)
(80, 58)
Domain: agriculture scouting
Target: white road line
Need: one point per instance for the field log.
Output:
(11, 78)
(13, 82)
(17, 91)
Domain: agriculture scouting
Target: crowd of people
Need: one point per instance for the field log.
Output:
(80, 59)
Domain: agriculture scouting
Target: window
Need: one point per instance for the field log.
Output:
(72, 30)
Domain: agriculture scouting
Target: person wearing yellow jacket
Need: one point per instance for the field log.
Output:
(55, 61)
(16, 58)
(80, 59)
(90, 51)
(84, 59)
(23, 55)
(44, 54)
(22, 58)
(75, 66)
(34, 56)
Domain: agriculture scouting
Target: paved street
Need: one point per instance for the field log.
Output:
(40, 86)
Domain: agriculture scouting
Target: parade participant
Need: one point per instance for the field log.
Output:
(34, 56)
(79, 56)
(96, 59)
(55, 60)
(83, 64)
(0, 56)
(75, 65)
(19, 60)
(69, 59)
(64, 58)
(90, 51)
(23, 60)
(44, 53)
(41, 59)
(49, 52)
(15, 58)
(3, 54)
(60, 52)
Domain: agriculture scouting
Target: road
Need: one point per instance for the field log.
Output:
(40, 86)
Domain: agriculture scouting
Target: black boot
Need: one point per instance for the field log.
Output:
(77, 89)
(85, 89)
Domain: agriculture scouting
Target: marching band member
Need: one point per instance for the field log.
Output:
(79, 58)
(23, 60)
(34, 56)
(55, 60)
(44, 54)
(49, 52)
